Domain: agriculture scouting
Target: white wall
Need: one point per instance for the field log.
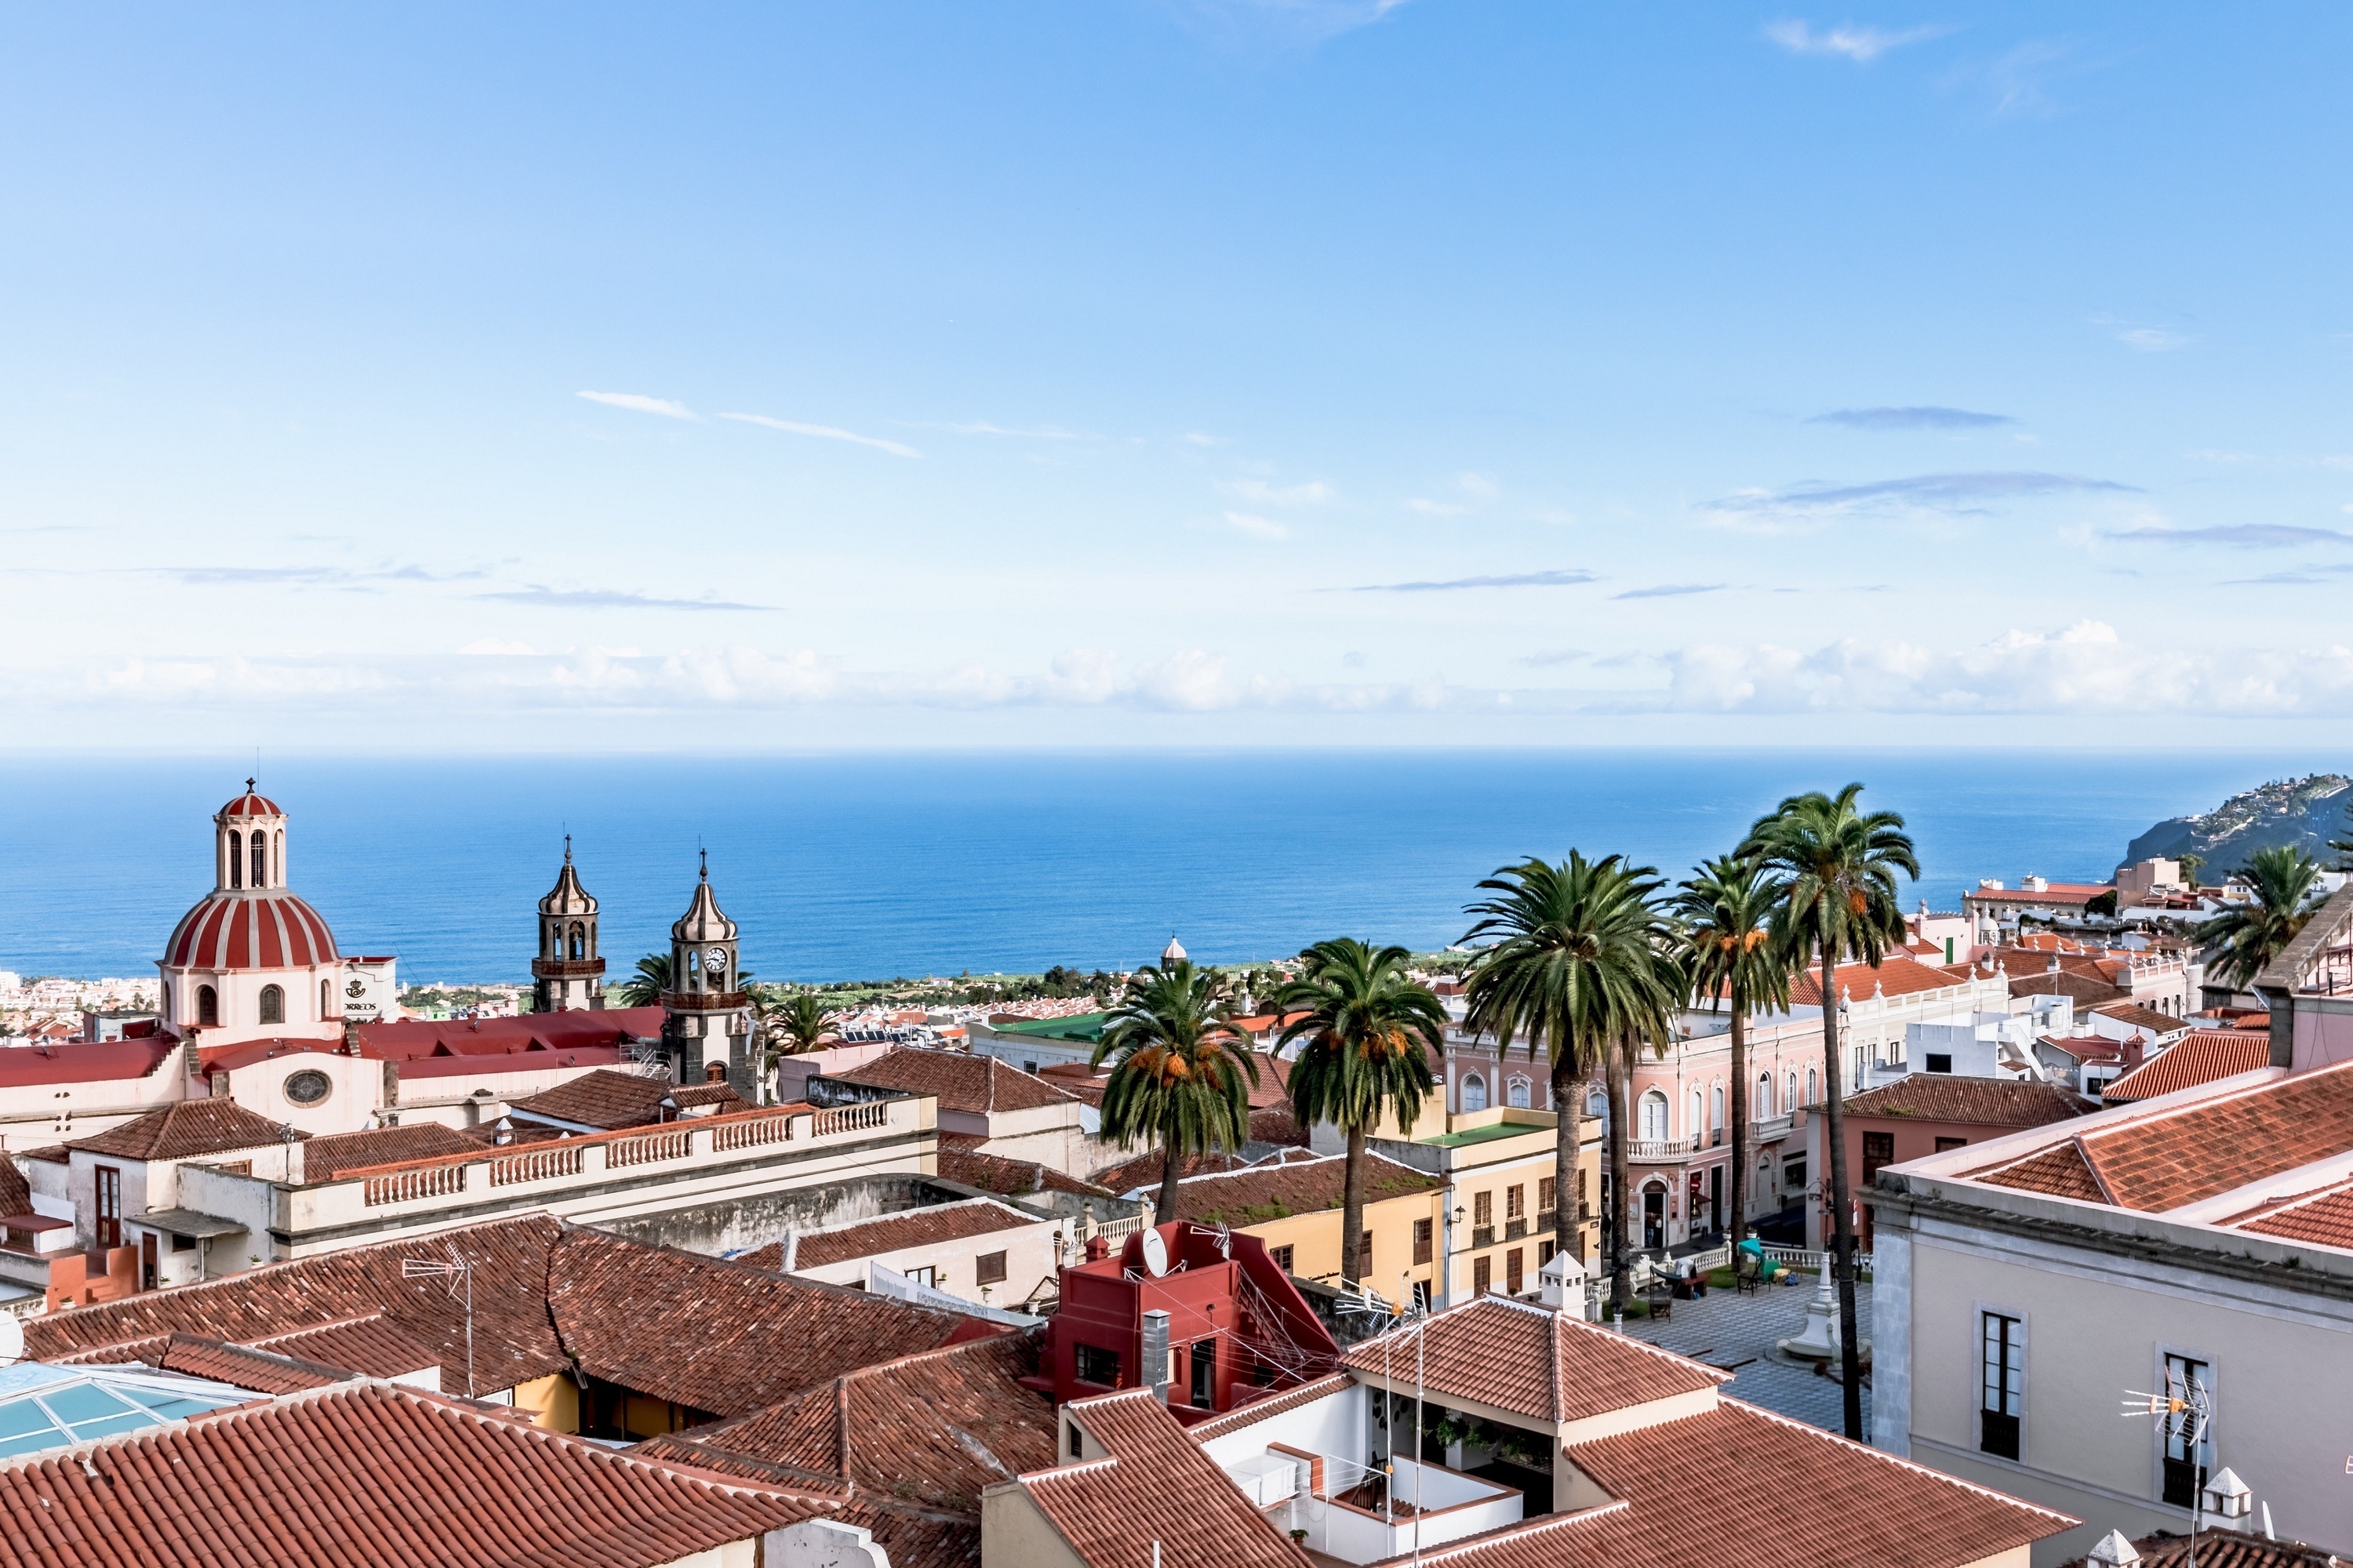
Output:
(1333, 1424)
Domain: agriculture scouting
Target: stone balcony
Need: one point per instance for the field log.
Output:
(1661, 1150)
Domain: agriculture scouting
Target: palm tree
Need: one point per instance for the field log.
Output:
(1833, 869)
(1368, 1028)
(1726, 909)
(1573, 969)
(801, 1022)
(1177, 1069)
(2240, 943)
(645, 988)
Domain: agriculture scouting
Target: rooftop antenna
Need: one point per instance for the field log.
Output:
(458, 1270)
(2184, 1409)
(1407, 1312)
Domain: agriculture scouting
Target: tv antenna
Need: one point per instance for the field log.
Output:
(1407, 1312)
(2186, 1412)
(458, 1271)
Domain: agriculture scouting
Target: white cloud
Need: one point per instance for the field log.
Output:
(2150, 340)
(642, 404)
(1043, 432)
(499, 647)
(824, 432)
(2086, 668)
(1315, 492)
(1256, 527)
(1860, 43)
(1429, 508)
(1200, 438)
(1477, 486)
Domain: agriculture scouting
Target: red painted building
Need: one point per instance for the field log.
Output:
(1202, 1312)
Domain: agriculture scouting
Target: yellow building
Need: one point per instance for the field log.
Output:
(1294, 1206)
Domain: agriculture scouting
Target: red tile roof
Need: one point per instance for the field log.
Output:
(1145, 1169)
(2059, 1171)
(324, 1158)
(359, 1474)
(1157, 1487)
(15, 1192)
(91, 1061)
(187, 1129)
(2202, 1056)
(2225, 1549)
(975, 1085)
(1531, 1361)
(609, 1100)
(1276, 1189)
(2139, 1017)
(1898, 977)
(371, 1345)
(2325, 1219)
(1982, 1102)
(934, 1226)
(1008, 1177)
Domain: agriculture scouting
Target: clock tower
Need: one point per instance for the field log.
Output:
(707, 1015)
(568, 974)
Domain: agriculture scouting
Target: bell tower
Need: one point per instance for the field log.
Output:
(569, 974)
(707, 1015)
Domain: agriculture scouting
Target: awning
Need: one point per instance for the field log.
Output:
(184, 1223)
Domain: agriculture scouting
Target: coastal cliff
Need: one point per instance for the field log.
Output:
(2307, 812)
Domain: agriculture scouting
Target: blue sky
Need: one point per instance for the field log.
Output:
(1174, 372)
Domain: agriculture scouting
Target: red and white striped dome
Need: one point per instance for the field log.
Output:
(250, 805)
(266, 930)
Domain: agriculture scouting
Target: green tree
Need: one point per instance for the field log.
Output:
(800, 1022)
(1726, 914)
(2189, 864)
(1180, 1071)
(1369, 1032)
(645, 988)
(1574, 969)
(1833, 868)
(2343, 843)
(2242, 942)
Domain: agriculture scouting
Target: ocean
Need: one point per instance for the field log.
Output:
(860, 866)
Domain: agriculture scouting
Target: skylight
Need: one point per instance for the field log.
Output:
(43, 1407)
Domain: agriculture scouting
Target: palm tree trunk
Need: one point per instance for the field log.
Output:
(1841, 1204)
(1738, 1226)
(1565, 1149)
(1352, 1211)
(1171, 1164)
(1615, 1077)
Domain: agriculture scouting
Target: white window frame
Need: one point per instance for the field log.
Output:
(1462, 1092)
(1978, 1312)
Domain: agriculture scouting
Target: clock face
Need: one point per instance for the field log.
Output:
(714, 962)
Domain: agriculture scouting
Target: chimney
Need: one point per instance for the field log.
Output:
(2113, 1551)
(1097, 1249)
(1156, 1354)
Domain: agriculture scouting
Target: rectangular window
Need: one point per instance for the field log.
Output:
(1097, 1365)
(1512, 1278)
(1482, 1275)
(1582, 1197)
(1547, 1195)
(991, 1266)
(1544, 1252)
(1422, 1240)
(1078, 1443)
(1944, 1143)
(110, 1206)
(1939, 1062)
(1878, 1150)
(2186, 1463)
(1282, 1259)
(2002, 1383)
(1515, 1202)
(1365, 1253)
(1482, 1209)
(1793, 1173)
(1421, 1297)
(1205, 1375)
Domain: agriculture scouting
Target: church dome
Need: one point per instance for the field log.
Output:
(567, 896)
(704, 921)
(250, 805)
(1173, 953)
(269, 929)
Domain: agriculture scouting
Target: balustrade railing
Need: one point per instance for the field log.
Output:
(651, 1147)
(752, 1132)
(406, 1186)
(851, 1119)
(544, 1162)
(1660, 1148)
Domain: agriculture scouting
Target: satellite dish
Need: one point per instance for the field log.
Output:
(1155, 1254)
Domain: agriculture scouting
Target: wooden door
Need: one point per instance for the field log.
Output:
(110, 1206)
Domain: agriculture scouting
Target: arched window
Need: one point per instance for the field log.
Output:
(1515, 1093)
(260, 860)
(579, 942)
(1813, 1087)
(235, 858)
(1474, 1092)
(273, 1004)
(207, 1005)
(326, 1001)
(1791, 1104)
(1764, 1094)
(1654, 1117)
(1698, 1114)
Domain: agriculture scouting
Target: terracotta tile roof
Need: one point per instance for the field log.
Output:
(1156, 1486)
(702, 1332)
(419, 1043)
(513, 1341)
(2059, 1171)
(1258, 1410)
(2139, 1017)
(2225, 1549)
(241, 1366)
(932, 1227)
(358, 1474)
(84, 1062)
(370, 1345)
(2086, 991)
(2325, 1219)
(1531, 1361)
(609, 1100)
(1276, 1124)
(1145, 1169)
(15, 1192)
(185, 1130)
(1983, 1102)
(324, 1158)
(1008, 1177)
(2202, 1056)
(976, 1085)
(1291, 1186)
(1896, 977)
(931, 1430)
(1835, 1501)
